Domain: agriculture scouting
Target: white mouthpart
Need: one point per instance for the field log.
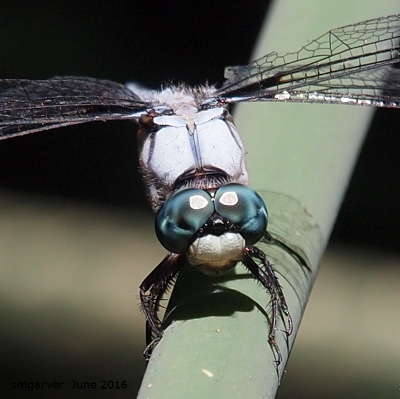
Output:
(213, 255)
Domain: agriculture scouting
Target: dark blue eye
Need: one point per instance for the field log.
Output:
(243, 207)
(181, 216)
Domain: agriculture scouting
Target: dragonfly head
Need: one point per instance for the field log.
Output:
(212, 227)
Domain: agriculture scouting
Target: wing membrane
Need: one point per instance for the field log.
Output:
(351, 65)
(28, 106)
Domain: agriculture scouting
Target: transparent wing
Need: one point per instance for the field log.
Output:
(28, 106)
(349, 65)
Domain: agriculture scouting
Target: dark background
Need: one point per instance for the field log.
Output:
(154, 42)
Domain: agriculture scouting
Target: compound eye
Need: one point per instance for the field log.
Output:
(243, 207)
(181, 216)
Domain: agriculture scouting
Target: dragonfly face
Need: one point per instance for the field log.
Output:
(191, 155)
(212, 226)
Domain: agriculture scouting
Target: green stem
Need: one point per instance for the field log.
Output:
(300, 159)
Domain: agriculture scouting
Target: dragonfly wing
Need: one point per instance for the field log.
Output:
(28, 106)
(352, 63)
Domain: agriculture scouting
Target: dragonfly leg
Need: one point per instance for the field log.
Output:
(265, 274)
(151, 291)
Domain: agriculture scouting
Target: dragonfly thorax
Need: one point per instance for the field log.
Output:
(190, 149)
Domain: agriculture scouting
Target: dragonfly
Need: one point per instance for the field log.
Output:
(191, 155)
